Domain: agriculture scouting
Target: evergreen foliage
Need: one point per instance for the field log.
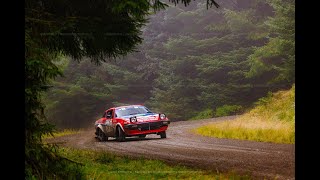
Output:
(192, 59)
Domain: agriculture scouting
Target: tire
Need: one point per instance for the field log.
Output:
(142, 136)
(120, 136)
(163, 134)
(101, 135)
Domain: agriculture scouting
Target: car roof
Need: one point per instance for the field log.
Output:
(125, 106)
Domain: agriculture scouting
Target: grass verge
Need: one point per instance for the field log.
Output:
(63, 132)
(272, 120)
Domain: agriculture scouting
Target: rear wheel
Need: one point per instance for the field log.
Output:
(120, 134)
(163, 134)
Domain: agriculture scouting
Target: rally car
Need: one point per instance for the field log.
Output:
(126, 121)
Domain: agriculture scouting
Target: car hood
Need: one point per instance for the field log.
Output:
(143, 117)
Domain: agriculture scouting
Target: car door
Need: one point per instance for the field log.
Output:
(102, 120)
(108, 123)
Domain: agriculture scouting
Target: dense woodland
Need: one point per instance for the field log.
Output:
(192, 62)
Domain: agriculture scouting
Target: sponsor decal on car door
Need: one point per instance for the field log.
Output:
(109, 123)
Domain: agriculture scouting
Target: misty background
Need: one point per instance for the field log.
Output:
(192, 61)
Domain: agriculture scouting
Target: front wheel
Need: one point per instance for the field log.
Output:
(120, 134)
(101, 135)
(142, 136)
(163, 134)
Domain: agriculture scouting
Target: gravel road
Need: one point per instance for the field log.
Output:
(260, 160)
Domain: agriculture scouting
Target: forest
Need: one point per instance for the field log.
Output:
(188, 59)
(193, 63)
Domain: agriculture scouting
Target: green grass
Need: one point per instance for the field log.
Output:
(103, 165)
(272, 120)
(63, 132)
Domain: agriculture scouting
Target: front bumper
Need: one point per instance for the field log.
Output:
(146, 127)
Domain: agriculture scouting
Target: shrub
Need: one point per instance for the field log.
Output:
(264, 100)
(227, 110)
(205, 114)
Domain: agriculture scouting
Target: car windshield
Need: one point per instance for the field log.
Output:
(132, 110)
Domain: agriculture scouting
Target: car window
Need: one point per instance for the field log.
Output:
(109, 113)
(132, 110)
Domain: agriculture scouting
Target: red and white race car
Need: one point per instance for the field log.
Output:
(125, 121)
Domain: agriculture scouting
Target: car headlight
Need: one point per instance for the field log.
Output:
(133, 119)
(162, 116)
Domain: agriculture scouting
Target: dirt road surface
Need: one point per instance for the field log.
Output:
(259, 159)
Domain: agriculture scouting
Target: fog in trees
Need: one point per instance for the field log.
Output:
(192, 61)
